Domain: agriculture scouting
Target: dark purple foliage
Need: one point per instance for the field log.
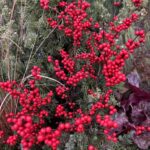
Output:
(135, 111)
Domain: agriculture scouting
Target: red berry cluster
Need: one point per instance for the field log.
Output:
(60, 111)
(91, 147)
(71, 105)
(52, 137)
(1, 134)
(113, 110)
(137, 3)
(101, 45)
(141, 35)
(102, 104)
(126, 23)
(32, 83)
(112, 69)
(117, 4)
(44, 4)
(132, 44)
(60, 90)
(68, 63)
(74, 79)
(32, 132)
(52, 22)
(87, 56)
(140, 129)
(75, 20)
(90, 92)
(31, 100)
(108, 124)
(95, 107)
(22, 123)
(80, 122)
(8, 85)
(49, 59)
(59, 72)
(11, 140)
(49, 137)
(106, 52)
(36, 72)
(25, 128)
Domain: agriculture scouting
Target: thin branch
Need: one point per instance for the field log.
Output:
(13, 43)
(45, 77)
(4, 101)
(12, 10)
(28, 63)
(43, 41)
(52, 79)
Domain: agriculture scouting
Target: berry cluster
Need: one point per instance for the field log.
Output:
(80, 122)
(36, 72)
(75, 20)
(1, 134)
(112, 69)
(90, 92)
(24, 127)
(132, 44)
(91, 147)
(8, 85)
(137, 3)
(108, 124)
(44, 4)
(100, 44)
(23, 123)
(126, 23)
(95, 107)
(49, 59)
(68, 63)
(49, 137)
(59, 72)
(140, 129)
(117, 4)
(12, 140)
(141, 35)
(74, 79)
(60, 90)
(60, 111)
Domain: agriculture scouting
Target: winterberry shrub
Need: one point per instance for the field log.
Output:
(102, 59)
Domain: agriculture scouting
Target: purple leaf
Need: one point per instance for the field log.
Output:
(142, 141)
(124, 126)
(135, 104)
(137, 116)
(134, 78)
